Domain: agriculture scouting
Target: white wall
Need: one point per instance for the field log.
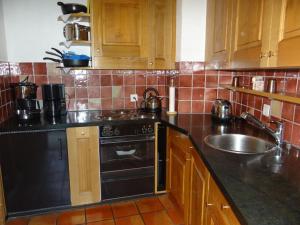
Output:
(31, 28)
(190, 30)
(3, 51)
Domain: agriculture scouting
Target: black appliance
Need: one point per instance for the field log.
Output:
(127, 159)
(161, 156)
(24, 95)
(35, 171)
(54, 101)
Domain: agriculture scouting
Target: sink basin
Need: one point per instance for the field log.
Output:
(239, 144)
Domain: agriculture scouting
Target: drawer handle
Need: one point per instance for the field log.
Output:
(225, 207)
(82, 133)
(209, 204)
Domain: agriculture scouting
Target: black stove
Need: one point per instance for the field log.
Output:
(110, 115)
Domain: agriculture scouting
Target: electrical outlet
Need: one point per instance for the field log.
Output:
(133, 98)
(266, 110)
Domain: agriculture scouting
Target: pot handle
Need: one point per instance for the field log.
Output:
(60, 3)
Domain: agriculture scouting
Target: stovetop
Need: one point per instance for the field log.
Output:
(110, 115)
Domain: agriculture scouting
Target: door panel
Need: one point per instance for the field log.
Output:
(289, 44)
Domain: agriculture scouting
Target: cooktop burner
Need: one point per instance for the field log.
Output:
(124, 115)
(109, 115)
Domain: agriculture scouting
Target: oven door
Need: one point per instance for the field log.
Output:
(124, 153)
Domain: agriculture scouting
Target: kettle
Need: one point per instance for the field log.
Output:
(221, 110)
(152, 101)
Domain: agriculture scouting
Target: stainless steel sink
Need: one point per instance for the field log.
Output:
(239, 144)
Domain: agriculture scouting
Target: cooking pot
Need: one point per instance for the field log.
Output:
(221, 110)
(75, 31)
(24, 90)
(152, 101)
(72, 8)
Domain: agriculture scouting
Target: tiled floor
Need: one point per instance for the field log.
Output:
(146, 211)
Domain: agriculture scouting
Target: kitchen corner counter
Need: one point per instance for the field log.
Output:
(260, 191)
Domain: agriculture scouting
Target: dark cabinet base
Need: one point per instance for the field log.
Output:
(35, 171)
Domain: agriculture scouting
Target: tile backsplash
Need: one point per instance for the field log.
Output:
(196, 89)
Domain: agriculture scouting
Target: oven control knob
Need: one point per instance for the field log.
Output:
(150, 130)
(116, 132)
(107, 131)
(144, 130)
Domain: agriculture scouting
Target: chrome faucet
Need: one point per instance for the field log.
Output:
(277, 133)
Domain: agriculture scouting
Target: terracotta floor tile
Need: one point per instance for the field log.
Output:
(176, 216)
(157, 218)
(21, 221)
(98, 213)
(166, 202)
(49, 219)
(104, 222)
(130, 220)
(149, 205)
(124, 209)
(74, 217)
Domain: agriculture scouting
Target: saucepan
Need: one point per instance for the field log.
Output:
(69, 59)
(72, 8)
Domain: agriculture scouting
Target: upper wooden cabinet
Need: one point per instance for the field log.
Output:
(133, 34)
(84, 165)
(218, 33)
(289, 36)
(260, 33)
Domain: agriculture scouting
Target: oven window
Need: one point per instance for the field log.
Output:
(126, 155)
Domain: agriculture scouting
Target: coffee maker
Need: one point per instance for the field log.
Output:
(54, 101)
(24, 96)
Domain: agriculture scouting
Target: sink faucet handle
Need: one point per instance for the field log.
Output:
(279, 123)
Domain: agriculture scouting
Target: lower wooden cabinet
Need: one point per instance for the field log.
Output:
(198, 187)
(179, 170)
(191, 186)
(84, 165)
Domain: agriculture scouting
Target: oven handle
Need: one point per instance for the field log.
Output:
(116, 140)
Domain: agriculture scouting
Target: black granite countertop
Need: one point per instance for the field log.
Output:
(260, 192)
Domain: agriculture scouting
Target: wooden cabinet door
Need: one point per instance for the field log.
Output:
(179, 160)
(218, 33)
(120, 34)
(162, 34)
(218, 209)
(198, 185)
(250, 33)
(289, 38)
(84, 165)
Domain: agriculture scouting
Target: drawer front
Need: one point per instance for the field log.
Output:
(180, 140)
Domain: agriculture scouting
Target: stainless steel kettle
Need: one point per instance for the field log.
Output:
(221, 109)
(152, 101)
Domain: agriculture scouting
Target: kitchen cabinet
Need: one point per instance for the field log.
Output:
(84, 164)
(289, 36)
(179, 170)
(191, 186)
(35, 174)
(198, 189)
(133, 34)
(218, 209)
(218, 33)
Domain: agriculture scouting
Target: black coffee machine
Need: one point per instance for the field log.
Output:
(54, 101)
(24, 96)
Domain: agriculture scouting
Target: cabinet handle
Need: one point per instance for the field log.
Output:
(60, 149)
(270, 54)
(82, 133)
(225, 207)
(262, 55)
(209, 204)
(150, 63)
(98, 50)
